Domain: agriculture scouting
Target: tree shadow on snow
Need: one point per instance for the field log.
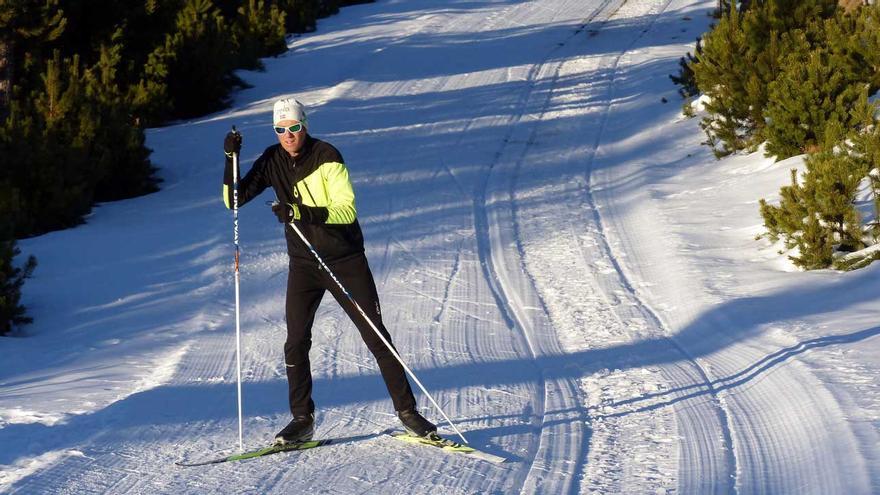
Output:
(732, 381)
(196, 404)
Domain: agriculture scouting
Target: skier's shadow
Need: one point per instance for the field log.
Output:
(200, 405)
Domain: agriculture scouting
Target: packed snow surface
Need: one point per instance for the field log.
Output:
(568, 270)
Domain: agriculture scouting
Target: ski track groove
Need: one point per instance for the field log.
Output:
(758, 442)
(445, 301)
(720, 407)
(513, 310)
(106, 471)
(537, 399)
(643, 307)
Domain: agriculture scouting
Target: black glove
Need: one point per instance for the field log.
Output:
(232, 143)
(286, 213)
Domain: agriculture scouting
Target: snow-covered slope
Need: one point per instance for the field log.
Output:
(572, 275)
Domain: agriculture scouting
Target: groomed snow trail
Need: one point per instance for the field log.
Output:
(519, 205)
(597, 310)
(784, 428)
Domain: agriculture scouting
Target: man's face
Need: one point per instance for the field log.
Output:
(292, 142)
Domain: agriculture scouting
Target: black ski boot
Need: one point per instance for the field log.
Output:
(415, 423)
(300, 429)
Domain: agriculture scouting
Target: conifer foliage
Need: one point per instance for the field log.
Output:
(685, 77)
(741, 57)
(815, 94)
(817, 216)
(722, 74)
(194, 62)
(11, 280)
(79, 82)
(795, 75)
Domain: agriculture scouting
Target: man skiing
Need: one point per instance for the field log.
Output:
(312, 186)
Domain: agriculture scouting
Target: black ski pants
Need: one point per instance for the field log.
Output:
(306, 283)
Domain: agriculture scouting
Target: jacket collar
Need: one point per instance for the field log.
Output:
(303, 154)
(306, 150)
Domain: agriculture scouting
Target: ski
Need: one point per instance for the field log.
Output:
(272, 449)
(446, 445)
(433, 440)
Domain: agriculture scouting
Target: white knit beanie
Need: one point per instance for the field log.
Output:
(289, 109)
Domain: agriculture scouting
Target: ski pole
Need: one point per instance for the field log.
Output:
(237, 298)
(373, 326)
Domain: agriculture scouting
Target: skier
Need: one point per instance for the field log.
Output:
(311, 184)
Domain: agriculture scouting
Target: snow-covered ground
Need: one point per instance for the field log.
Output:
(569, 271)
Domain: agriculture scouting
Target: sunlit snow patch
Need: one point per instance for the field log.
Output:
(9, 475)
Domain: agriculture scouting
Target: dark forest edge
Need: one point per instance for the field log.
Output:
(81, 81)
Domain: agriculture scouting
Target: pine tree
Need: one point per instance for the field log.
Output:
(722, 74)
(834, 179)
(765, 56)
(866, 41)
(43, 152)
(817, 216)
(741, 56)
(864, 148)
(62, 192)
(259, 31)
(11, 280)
(300, 15)
(25, 26)
(783, 16)
(822, 79)
(194, 64)
(118, 149)
(685, 77)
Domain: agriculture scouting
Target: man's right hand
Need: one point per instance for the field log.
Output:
(232, 143)
(286, 213)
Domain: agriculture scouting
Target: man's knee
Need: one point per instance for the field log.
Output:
(296, 349)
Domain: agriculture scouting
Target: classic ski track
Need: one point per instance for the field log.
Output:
(99, 472)
(508, 301)
(623, 282)
(113, 474)
(445, 302)
(494, 282)
(757, 443)
(605, 247)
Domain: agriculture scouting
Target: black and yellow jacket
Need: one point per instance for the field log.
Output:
(317, 182)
